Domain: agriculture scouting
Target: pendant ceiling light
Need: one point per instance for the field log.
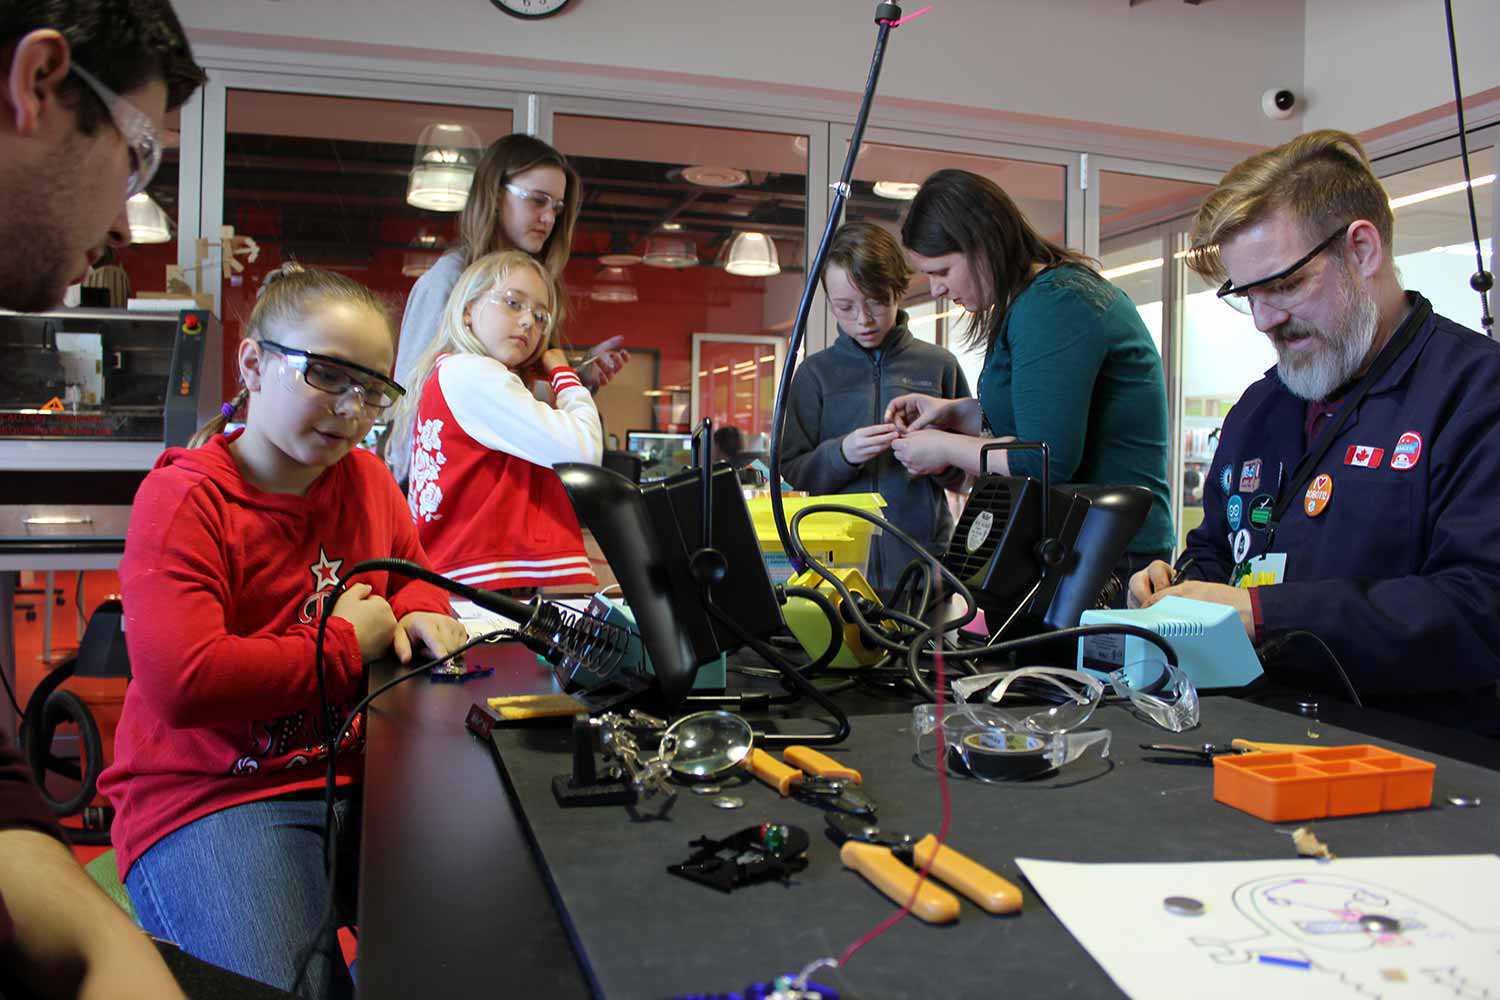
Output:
(665, 250)
(148, 223)
(753, 255)
(613, 284)
(443, 170)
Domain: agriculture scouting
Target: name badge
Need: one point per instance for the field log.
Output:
(1268, 568)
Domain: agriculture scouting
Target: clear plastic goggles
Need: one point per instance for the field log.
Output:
(1072, 696)
(982, 742)
(1174, 703)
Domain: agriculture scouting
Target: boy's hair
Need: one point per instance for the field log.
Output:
(286, 295)
(125, 43)
(873, 259)
(957, 211)
(455, 337)
(1322, 178)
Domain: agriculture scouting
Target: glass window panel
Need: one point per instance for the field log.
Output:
(1132, 209)
(1222, 355)
(683, 193)
(1136, 269)
(1434, 242)
(323, 180)
(146, 259)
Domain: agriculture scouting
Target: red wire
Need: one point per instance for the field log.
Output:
(942, 837)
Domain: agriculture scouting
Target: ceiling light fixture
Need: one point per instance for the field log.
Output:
(670, 251)
(148, 223)
(717, 177)
(613, 284)
(897, 190)
(753, 255)
(1438, 192)
(443, 170)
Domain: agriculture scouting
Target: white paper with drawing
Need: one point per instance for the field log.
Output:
(1288, 929)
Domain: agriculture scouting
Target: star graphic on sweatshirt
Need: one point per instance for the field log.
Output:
(325, 571)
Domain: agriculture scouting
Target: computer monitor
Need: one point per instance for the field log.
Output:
(663, 453)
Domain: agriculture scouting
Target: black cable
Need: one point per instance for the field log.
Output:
(10, 691)
(872, 635)
(794, 550)
(794, 676)
(835, 640)
(1272, 648)
(1482, 281)
(323, 941)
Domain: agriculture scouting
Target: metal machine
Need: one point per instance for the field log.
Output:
(88, 400)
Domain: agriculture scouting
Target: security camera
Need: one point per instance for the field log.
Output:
(1278, 102)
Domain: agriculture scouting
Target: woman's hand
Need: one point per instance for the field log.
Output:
(906, 410)
(859, 446)
(926, 452)
(915, 411)
(438, 634)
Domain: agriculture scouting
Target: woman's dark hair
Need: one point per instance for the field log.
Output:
(961, 212)
(125, 43)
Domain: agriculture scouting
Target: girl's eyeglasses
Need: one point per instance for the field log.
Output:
(136, 128)
(518, 305)
(337, 377)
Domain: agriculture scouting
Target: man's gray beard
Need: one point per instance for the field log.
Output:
(1340, 355)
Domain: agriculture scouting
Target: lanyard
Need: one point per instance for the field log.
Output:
(1418, 316)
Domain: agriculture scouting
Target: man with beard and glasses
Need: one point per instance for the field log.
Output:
(1353, 492)
(85, 88)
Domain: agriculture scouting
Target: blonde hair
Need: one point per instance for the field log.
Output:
(479, 226)
(455, 337)
(287, 294)
(1322, 178)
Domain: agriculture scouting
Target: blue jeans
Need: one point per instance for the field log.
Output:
(245, 888)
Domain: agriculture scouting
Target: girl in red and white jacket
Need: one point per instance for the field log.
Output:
(489, 509)
(233, 549)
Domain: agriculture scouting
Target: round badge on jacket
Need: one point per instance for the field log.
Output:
(1319, 494)
(1241, 545)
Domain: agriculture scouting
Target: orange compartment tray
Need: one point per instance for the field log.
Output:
(1331, 781)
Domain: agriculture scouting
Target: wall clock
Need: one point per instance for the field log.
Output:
(531, 8)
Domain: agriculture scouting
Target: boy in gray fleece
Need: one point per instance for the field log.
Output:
(835, 440)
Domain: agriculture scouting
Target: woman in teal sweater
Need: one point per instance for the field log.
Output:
(1067, 359)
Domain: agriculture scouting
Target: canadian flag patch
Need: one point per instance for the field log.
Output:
(1363, 454)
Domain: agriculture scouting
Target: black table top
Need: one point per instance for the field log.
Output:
(453, 898)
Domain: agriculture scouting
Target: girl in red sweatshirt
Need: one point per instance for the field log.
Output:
(232, 550)
(489, 509)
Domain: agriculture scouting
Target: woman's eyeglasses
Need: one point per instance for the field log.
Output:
(337, 377)
(136, 128)
(539, 200)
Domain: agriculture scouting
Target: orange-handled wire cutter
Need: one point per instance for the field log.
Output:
(891, 860)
